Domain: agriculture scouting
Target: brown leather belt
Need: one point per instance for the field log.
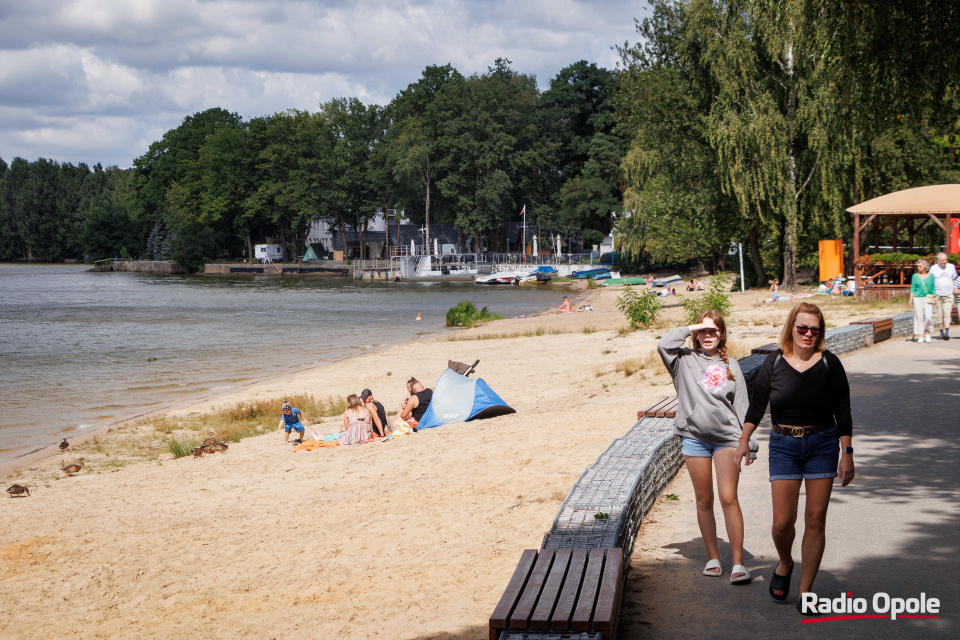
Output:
(798, 432)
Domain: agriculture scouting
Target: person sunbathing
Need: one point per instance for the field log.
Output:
(565, 307)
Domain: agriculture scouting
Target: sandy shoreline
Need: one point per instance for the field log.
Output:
(413, 538)
(31, 457)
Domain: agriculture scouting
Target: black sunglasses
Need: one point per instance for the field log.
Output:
(802, 330)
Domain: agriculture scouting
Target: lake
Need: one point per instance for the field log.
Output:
(81, 350)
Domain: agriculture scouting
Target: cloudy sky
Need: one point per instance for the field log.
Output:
(99, 80)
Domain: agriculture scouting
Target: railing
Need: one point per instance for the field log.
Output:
(397, 251)
(518, 258)
(360, 265)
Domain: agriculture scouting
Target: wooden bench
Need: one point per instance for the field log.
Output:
(763, 349)
(562, 590)
(882, 327)
(662, 408)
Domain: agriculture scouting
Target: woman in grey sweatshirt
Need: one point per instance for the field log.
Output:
(712, 405)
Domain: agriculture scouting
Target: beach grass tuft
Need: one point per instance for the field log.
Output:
(650, 363)
(528, 333)
(182, 445)
(242, 420)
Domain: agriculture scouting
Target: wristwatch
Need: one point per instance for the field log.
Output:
(848, 450)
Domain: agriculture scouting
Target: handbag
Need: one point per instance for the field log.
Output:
(931, 298)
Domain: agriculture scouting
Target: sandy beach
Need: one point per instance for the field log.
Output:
(410, 538)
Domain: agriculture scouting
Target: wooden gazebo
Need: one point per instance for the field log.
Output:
(909, 210)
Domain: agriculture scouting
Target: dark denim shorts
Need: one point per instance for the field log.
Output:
(814, 456)
(297, 425)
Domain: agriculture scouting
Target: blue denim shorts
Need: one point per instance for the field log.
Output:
(810, 457)
(298, 426)
(697, 449)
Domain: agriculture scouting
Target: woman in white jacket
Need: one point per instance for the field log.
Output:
(712, 404)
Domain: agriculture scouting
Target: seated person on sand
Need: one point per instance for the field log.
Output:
(412, 409)
(775, 290)
(291, 419)
(377, 413)
(565, 307)
(692, 286)
(356, 423)
(851, 288)
(700, 286)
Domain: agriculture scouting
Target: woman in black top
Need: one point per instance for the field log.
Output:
(809, 399)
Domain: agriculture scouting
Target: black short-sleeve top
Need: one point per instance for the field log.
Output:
(819, 396)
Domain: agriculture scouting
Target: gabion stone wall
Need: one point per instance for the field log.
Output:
(849, 338)
(622, 484)
(903, 324)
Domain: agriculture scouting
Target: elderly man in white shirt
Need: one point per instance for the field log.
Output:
(944, 277)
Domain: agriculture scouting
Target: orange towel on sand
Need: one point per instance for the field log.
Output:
(310, 445)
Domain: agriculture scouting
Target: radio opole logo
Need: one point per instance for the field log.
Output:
(882, 605)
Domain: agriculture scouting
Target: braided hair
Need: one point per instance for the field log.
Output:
(722, 342)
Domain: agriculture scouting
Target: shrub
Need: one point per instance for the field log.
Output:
(181, 446)
(640, 309)
(465, 314)
(713, 298)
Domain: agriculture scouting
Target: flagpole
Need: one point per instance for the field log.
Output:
(524, 247)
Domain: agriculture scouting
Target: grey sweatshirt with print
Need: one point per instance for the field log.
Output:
(711, 408)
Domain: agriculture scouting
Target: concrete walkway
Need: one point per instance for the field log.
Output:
(896, 529)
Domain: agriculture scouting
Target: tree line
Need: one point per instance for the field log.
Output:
(728, 120)
(468, 151)
(763, 122)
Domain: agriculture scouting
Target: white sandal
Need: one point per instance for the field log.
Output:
(712, 564)
(739, 568)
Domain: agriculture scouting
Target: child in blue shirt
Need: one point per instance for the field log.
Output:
(291, 419)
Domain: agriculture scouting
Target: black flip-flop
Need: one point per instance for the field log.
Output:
(781, 583)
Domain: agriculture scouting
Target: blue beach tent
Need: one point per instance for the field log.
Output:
(457, 398)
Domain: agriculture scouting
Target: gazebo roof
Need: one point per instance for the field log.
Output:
(921, 201)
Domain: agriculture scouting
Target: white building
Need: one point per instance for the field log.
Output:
(321, 229)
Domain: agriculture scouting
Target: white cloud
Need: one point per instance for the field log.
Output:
(98, 80)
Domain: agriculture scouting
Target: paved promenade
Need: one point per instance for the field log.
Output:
(896, 529)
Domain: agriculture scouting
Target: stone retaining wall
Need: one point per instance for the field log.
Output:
(146, 266)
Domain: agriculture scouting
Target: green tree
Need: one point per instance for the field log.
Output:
(295, 176)
(486, 144)
(421, 112)
(356, 131)
(581, 149)
(675, 207)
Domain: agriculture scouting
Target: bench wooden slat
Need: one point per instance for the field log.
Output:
(669, 410)
(608, 600)
(878, 323)
(551, 589)
(651, 410)
(571, 589)
(588, 592)
(531, 593)
(498, 620)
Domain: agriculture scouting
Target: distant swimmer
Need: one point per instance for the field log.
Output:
(418, 317)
